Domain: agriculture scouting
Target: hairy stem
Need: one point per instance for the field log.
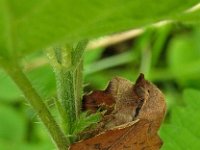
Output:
(67, 63)
(66, 94)
(78, 77)
(61, 60)
(38, 105)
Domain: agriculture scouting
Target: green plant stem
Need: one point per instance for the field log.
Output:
(67, 63)
(66, 94)
(60, 59)
(77, 62)
(39, 106)
(78, 87)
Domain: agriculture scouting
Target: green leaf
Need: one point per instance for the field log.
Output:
(190, 18)
(31, 25)
(183, 130)
(184, 59)
(5, 37)
(178, 138)
(77, 53)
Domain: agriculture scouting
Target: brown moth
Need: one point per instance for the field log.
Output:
(135, 113)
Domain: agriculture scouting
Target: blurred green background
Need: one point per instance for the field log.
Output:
(169, 56)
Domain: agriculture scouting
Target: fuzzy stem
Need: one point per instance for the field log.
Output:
(78, 87)
(67, 63)
(77, 62)
(38, 105)
(65, 89)
(60, 59)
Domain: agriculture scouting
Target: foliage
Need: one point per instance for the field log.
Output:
(182, 131)
(38, 24)
(84, 121)
(27, 27)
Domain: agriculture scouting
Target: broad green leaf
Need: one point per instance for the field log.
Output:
(5, 27)
(31, 25)
(191, 17)
(182, 132)
(178, 138)
(192, 112)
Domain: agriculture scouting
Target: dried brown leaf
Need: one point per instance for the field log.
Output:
(119, 130)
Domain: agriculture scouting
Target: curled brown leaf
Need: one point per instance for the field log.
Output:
(125, 103)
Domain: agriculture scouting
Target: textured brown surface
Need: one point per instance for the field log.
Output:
(97, 99)
(143, 102)
(134, 137)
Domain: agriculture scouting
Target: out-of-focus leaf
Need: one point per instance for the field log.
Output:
(110, 62)
(178, 138)
(183, 130)
(6, 145)
(190, 18)
(8, 90)
(92, 55)
(31, 25)
(184, 59)
(12, 126)
(43, 80)
(3, 35)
